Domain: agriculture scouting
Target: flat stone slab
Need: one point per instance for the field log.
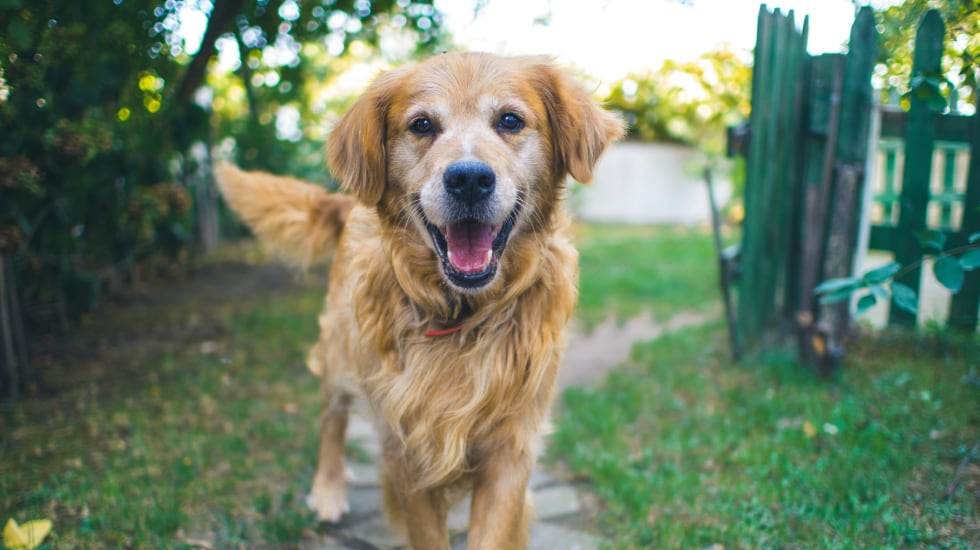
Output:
(545, 536)
(361, 432)
(359, 427)
(365, 504)
(325, 542)
(364, 475)
(459, 516)
(556, 501)
(540, 479)
(377, 532)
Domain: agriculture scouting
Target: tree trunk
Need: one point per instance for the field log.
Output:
(222, 14)
(6, 336)
(246, 73)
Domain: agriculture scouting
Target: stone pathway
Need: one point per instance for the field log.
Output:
(566, 513)
(562, 513)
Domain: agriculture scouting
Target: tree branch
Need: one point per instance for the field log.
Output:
(222, 14)
(246, 73)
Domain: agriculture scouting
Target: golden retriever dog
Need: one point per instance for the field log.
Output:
(452, 281)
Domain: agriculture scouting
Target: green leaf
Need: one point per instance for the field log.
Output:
(949, 272)
(931, 239)
(881, 274)
(905, 297)
(879, 291)
(865, 303)
(970, 259)
(927, 87)
(836, 285)
(837, 296)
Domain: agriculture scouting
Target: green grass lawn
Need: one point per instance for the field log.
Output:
(686, 450)
(214, 439)
(632, 270)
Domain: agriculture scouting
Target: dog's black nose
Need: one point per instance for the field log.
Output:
(469, 181)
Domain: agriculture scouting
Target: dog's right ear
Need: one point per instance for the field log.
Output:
(356, 147)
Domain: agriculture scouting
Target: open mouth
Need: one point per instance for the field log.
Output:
(470, 249)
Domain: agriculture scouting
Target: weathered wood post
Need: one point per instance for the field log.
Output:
(6, 336)
(772, 171)
(847, 175)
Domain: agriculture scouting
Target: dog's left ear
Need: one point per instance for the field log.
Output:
(581, 129)
(356, 146)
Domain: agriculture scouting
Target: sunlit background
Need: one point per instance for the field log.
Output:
(605, 40)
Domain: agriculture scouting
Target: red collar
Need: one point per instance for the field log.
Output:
(444, 332)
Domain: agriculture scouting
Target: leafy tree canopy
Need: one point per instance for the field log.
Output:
(686, 102)
(897, 26)
(101, 114)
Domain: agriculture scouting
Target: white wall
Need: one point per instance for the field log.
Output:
(649, 183)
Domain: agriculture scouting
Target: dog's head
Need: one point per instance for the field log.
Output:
(471, 150)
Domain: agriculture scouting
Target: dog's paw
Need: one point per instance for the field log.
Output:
(328, 499)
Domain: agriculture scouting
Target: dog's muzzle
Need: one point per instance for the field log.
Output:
(471, 244)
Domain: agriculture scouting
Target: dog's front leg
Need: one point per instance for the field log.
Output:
(500, 513)
(421, 512)
(328, 497)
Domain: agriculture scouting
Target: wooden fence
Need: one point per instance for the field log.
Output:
(808, 146)
(923, 154)
(805, 154)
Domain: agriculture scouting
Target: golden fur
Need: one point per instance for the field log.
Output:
(461, 411)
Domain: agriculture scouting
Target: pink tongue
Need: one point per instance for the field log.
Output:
(469, 243)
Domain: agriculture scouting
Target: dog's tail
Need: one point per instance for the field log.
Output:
(299, 220)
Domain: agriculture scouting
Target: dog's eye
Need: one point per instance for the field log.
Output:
(422, 126)
(509, 122)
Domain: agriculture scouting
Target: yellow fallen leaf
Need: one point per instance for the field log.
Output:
(28, 536)
(808, 429)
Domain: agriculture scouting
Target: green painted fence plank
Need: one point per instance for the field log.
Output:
(771, 182)
(948, 127)
(752, 299)
(964, 308)
(783, 235)
(749, 324)
(919, 140)
(883, 237)
(857, 101)
(795, 209)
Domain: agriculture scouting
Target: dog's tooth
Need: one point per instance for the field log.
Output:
(489, 256)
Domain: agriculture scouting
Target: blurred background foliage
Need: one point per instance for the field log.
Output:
(686, 102)
(108, 129)
(897, 26)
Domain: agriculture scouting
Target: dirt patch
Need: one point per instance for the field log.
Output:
(590, 356)
(144, 323)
